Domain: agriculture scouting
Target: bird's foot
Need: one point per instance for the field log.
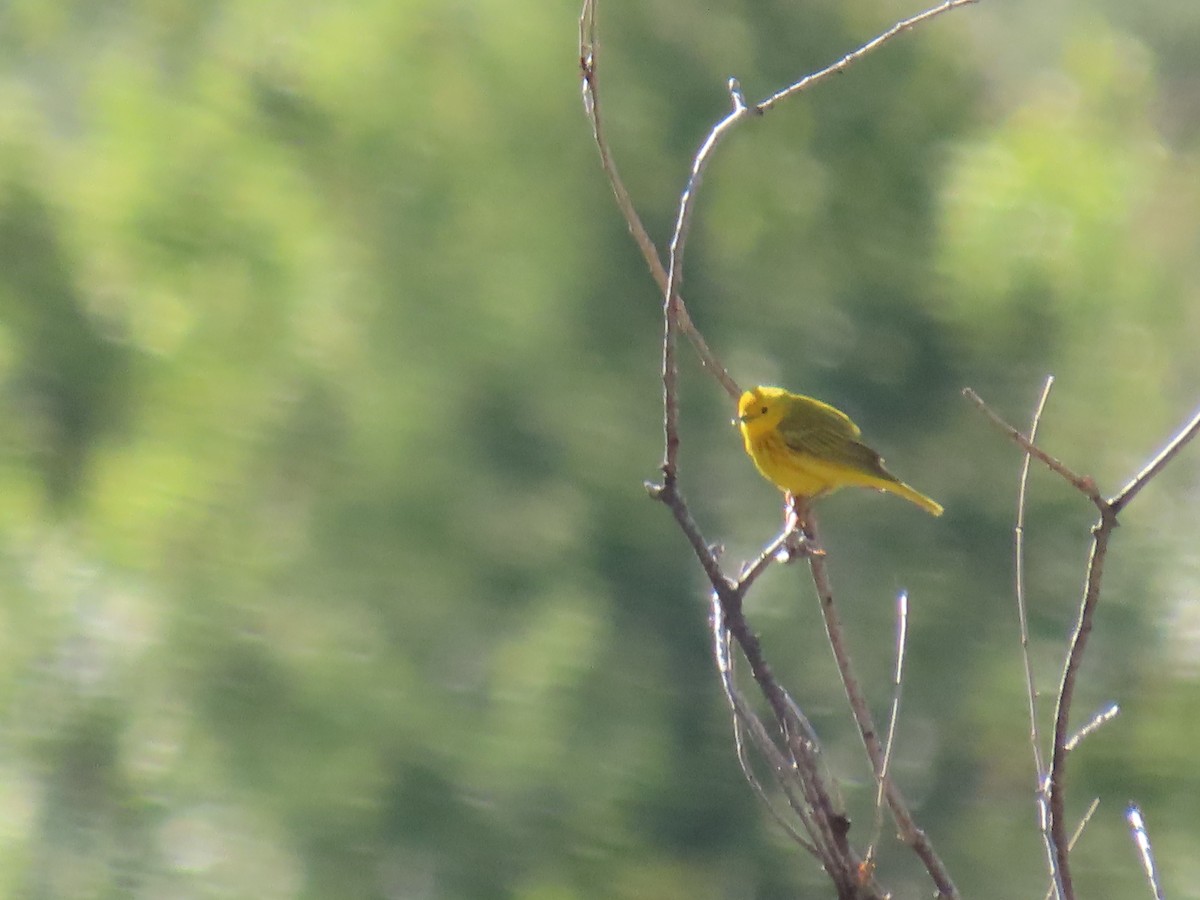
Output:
(796, 543)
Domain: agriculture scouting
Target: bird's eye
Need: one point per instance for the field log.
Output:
(763, 411)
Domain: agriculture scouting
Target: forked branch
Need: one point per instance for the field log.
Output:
(826, 828)
(1063, 740)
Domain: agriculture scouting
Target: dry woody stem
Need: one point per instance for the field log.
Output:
(1035, 739)
(1063, 741)
(792, 751)
(789, 747)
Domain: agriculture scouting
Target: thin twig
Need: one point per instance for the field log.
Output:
(670, 384)
(1093, 725)
(1022, 606)
(1083, 823)
(1155, 466)
(687, 200)
(1023, 619)
(729, 596)
(907, 826)
(1141, 838)
(801, 724)
(1083, 629)
(1054, 889)
(589, 60)
(897, 686)
(743, 719)
(1084, 484)
(850, 58)
(770, 552)
(842, 862)
(667, 278)
(1075, 836)
(817, 843)
(672, 303)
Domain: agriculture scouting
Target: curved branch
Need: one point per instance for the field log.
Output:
(910, 833)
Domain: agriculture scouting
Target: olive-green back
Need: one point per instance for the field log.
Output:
(819, 430)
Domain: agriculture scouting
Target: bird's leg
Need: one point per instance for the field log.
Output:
(797, 542)
(795, 514)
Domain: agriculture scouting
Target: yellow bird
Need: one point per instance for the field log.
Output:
(807, 448)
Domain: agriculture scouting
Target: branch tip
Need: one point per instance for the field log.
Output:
(736, 95)
(1086, 485)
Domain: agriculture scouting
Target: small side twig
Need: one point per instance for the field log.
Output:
(668, 278)
(854, 56)
(1084, 484)
(589, 62)
(807, 793)
(910, 834)
(1054, 889)
(1093, 725)
(1155, 465)
(1063, 740)
(769, 555)
(893, 716)
(1031, 694)
(1141, 838)
(745, 720)
(1083, 823)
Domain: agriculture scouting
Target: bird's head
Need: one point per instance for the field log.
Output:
(761, 408)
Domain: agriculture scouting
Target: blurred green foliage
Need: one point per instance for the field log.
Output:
(329, 381)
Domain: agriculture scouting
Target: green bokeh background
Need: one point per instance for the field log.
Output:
(329, 382)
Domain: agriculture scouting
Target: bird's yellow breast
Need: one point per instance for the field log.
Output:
(798, 473)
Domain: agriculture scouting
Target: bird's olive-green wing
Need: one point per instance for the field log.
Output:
(817, 429)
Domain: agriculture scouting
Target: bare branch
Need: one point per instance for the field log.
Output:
(770, 553)
(687, 200)
(669, 495)
(841, 861)
(1083, 629)
(1023, 619)
(1084, 484)
(1156, 465)
(743, 719)
(673, 303)
(669, 278)
(850, 58)
(897, 685)
(909, 832)
(1054, 810)
(589, 60)
(1093, 725)
(1141, 837)
(1075, 836)
(827, 828)
(1055, 783)
(1083, 823)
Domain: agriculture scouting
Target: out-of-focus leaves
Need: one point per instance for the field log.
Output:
(330, 380)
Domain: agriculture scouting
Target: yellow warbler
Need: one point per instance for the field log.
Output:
(807, 448)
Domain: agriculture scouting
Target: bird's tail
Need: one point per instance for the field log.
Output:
(900, 489)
